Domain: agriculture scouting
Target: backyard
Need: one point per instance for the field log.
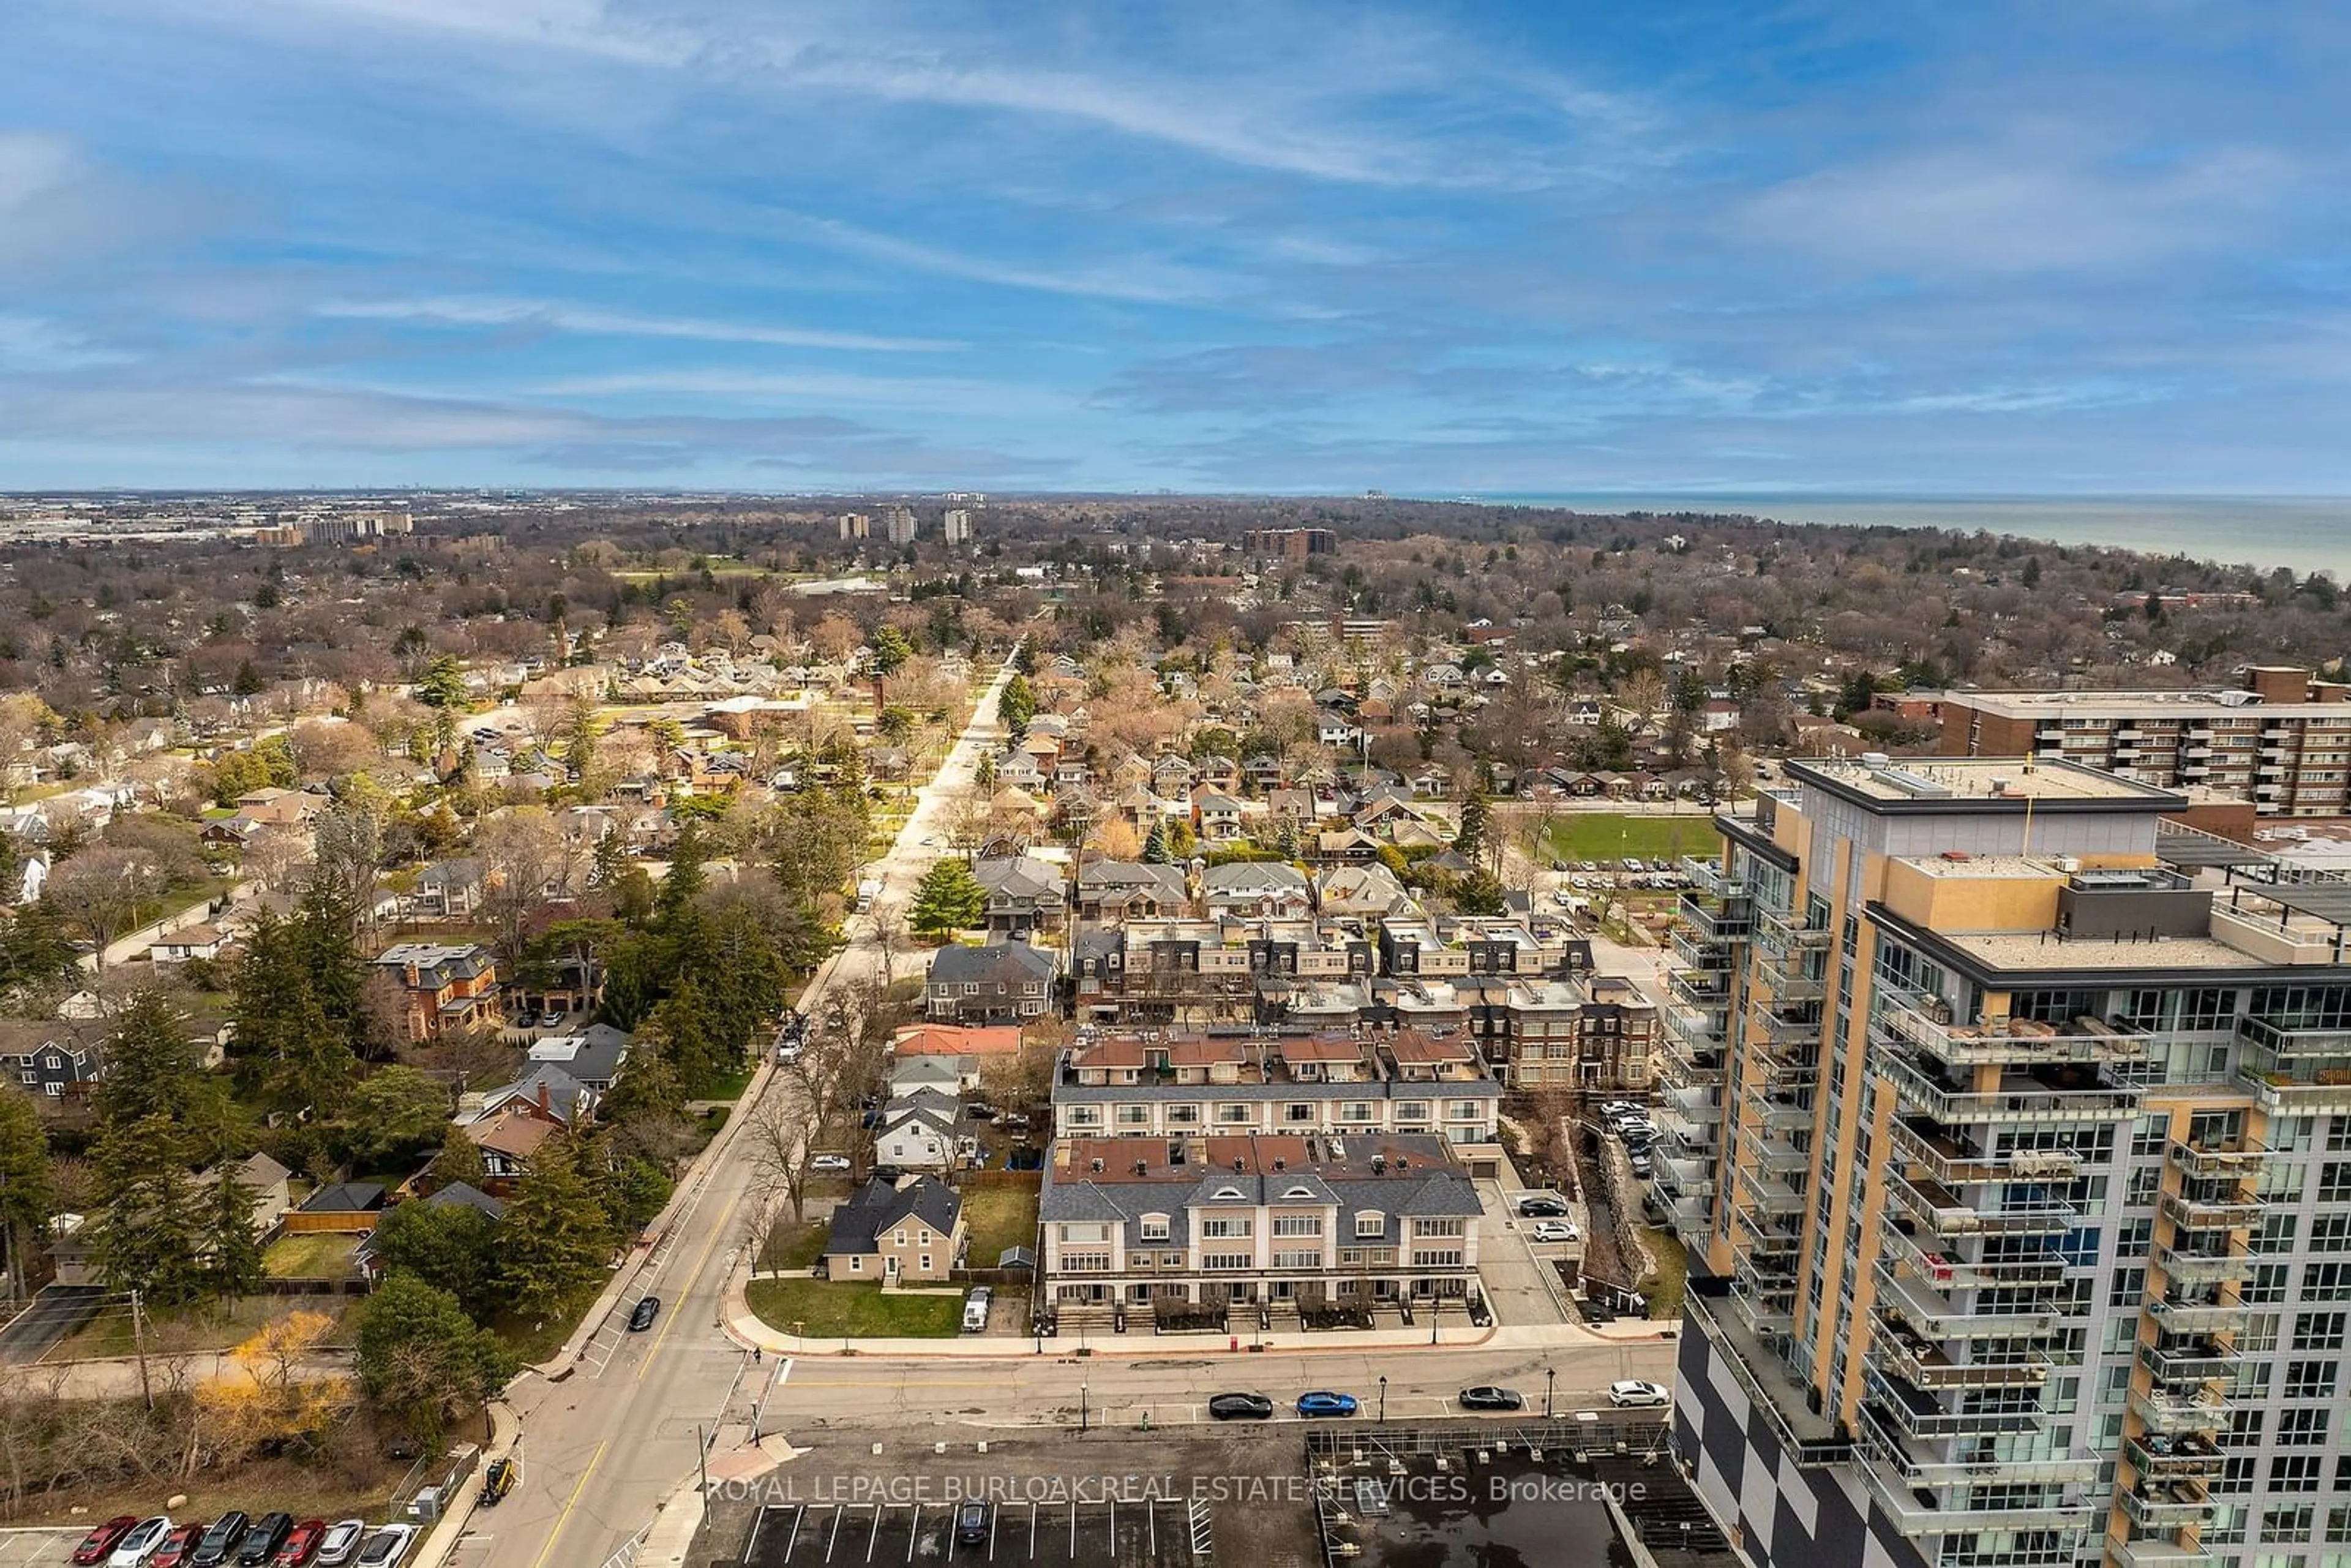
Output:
(998, 1217)
(310, 1255)
(819, 1309)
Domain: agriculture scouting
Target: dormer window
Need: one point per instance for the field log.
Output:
(1228, 1194)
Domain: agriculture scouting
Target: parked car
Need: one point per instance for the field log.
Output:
(100, 1543)
(1542, 1205)
(341, 1544)
(1633, 1391)
(1240, 1407)
(980, 1111)
(975, 1309)
(889, 1173)
(551, 1017)
(829, 1165)
(301, 1544)
(263, 1539)
(387, 1546)
(139, 1542)
(218, 1547)
(971, 1524)
(642, 1315)
(1557, 1231)
(178, 1546)
(787, 1052)
(1321, 1401)
(1485, 1396)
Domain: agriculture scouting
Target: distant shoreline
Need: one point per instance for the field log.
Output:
(2306, 534)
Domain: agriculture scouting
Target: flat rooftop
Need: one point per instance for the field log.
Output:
(2127, 704)
(2036, 950)
(1941, 783)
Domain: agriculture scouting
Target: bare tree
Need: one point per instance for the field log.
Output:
(780, 1146)
(527, 860)
(102, 890)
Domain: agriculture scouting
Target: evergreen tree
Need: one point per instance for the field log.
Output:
(1154, 848)
(949, 900)
(148, 1231)
(232, 1251)
(423, 1360)
(1476, 820)
(453, 1247)
(25, 1197)
(1017, 706)
(687, 876)
(557, 1237)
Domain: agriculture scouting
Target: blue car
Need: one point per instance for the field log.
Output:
(1323, 1403)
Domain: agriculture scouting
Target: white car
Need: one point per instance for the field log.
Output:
(1633, 1391)
(388, 1546)
(340, 1544)
(133, 1550)
(1556, 1230)
(829, 1165)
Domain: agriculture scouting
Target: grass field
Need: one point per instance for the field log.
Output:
(1665, 1287)
(822, 1310)
(314, 1255)
(1613, 835)
(999, 1217)
(791, 1246)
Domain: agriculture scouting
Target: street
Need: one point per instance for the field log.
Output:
(605, 1441)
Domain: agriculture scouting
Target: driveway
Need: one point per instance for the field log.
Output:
(1509, 1266)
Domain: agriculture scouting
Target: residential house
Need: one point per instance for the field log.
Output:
(593, 1057)
(1189, 1227)
(1332, 727)
(447, 987)
(448, 890)
(201, 940)
(1201, 972)
(1112, 890)
(998, 983)
(1026, 896)
(1218, 816)
(920, 1131)
(269, 1184)
(911, 1231)
(509, 1138)
(48, 1060)
(1367, 891)
(1256, 888)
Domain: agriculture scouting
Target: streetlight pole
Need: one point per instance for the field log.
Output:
(1082, 1407)
(1383, 1398)
(1550, 1374)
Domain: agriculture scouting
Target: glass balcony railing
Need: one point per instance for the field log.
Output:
(2289, 1042)
(1954, 1162)
(2161, 1551)
(1941, 1212)
(2050, 1099)
(2246, 1162)
(1925, 1364)
(2168, 1505)
(2204, 1412)
(2194, 1316)
(2070, 1514)
(2170, 1457)
(1934, 1315)
(2211, 1211)
(1942, 1270)
(2184, 1266)
(2176, 1362)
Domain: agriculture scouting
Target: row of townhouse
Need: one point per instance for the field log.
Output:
(1182, 1225)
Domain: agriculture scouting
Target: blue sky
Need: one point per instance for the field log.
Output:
(2088, 247)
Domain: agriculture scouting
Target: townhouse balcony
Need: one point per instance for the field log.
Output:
(1941, 1271)
(1917, 1512)
(2244, 1163)
(2053, 1096)
(2171, 1459)
(2159, 1552)
(1917, 1414)
(2167, 1504)
(1941, 1212)
(2184, 1361)
(2187, 1266)
(1925, 1365)
(1936, 1316)
(2199, 1316)
(2202, 1412)
(2212, 1212)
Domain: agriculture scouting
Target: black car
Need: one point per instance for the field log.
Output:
(642, 1315)
(1240, 1407)
(1543, 1207)
(1485, 1396)
(218, 1547)
(971, 1524)
(262, 1542)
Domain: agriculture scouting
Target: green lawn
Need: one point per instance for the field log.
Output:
(1665, 1287)
(791, 1246)
(726, 1086)
(821, 1309)
(535, 1341)
(999, 1217)
(313, 1255)
(1613, 835)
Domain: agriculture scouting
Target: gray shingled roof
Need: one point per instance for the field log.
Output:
(877, 1206)
(1016, 962)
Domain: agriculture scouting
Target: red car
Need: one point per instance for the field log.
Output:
(98, 1545)
(178, 1546)
(301, 1544)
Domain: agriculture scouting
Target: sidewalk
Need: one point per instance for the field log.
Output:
(505, 1430)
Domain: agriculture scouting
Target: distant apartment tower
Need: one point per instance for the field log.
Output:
(855, 526)
(2283, 741)
(2008, 1129)
(956, 525)
(1291, 544)
(899, 525)
(339, 527)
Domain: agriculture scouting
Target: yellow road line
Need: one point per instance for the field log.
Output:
(556, 1530)
(708, 1247)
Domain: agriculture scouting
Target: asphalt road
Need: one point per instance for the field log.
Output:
(55, 1312)
(603, 1447)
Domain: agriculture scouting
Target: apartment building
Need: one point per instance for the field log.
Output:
(954, 524)
(2281, 741)
(1180, 1084)
(1204, 972)
(1177, 1225)
(2010, 1132)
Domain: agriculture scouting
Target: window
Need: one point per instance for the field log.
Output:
(2326, 1281)
(1371, 1223)
(1134, 1115)
(2302, 1427)
(1152, 1228)
(1085, 1116)
(2334, 1181)
(2310, 1380)
(1228, 1111)
(1417, 1111)
(2319, 1331)
(1183, 1115)
(1088, 1234)
(1355, 1110)
(1086, 1262)
(1224, 1260)
(1461, 1109)
(1297, 1225)
(856, 1265)
(2287, 1522)
(924, 1264)
(898, 1238)
(1232, 1226)
(1299, 1259)
(2294, 1472)
(1297, 1113)
(1439, 1228)
(1445, 1258)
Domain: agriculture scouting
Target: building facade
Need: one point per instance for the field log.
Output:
(2010, 1132)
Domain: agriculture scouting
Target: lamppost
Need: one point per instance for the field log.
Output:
(1383, 1398)
(1550, 1375)
(1082, 1407)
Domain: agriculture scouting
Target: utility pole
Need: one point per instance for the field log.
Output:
(139, 1339)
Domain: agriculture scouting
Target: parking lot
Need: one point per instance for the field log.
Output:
(1131, 1534)
(44, 1548)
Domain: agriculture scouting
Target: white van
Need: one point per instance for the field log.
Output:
(975, 1309)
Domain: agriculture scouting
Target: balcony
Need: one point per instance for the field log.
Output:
(1918, 1140)
(2184, 1266)
(2199, 1317)
(2185, 1360)
(1727, 921)
(2045, 1097)
(1944, 1213)
(2168, 1505)
(1768, 1194)
(1778, 1155)
(1766, 1303)
(1777, 933)
(1915, 1512)
(2173, 1457)
(1692, 1063)
(1925, 1364)
(1706, 990)
(1692, 1105)
(1925, 1022)
(1699, 952)
(2202, 1413)
(1707, 876)
(1919, 1415)
(2287, 1042)
(1690, 1216)
(1777, 1113)
(1766, 1240)
(2218, 1164)
(1941, 1272)
(1936, 1317)
(2159, 1553)
(2191, 1211)
(1881, 1442)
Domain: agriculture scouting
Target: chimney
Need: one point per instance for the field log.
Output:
(543, 1104)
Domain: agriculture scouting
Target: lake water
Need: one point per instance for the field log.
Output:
(2306, 534)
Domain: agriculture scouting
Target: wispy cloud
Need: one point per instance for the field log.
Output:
(483, 311)
(1140, 279)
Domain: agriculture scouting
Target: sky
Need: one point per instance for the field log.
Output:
(1750, 248)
